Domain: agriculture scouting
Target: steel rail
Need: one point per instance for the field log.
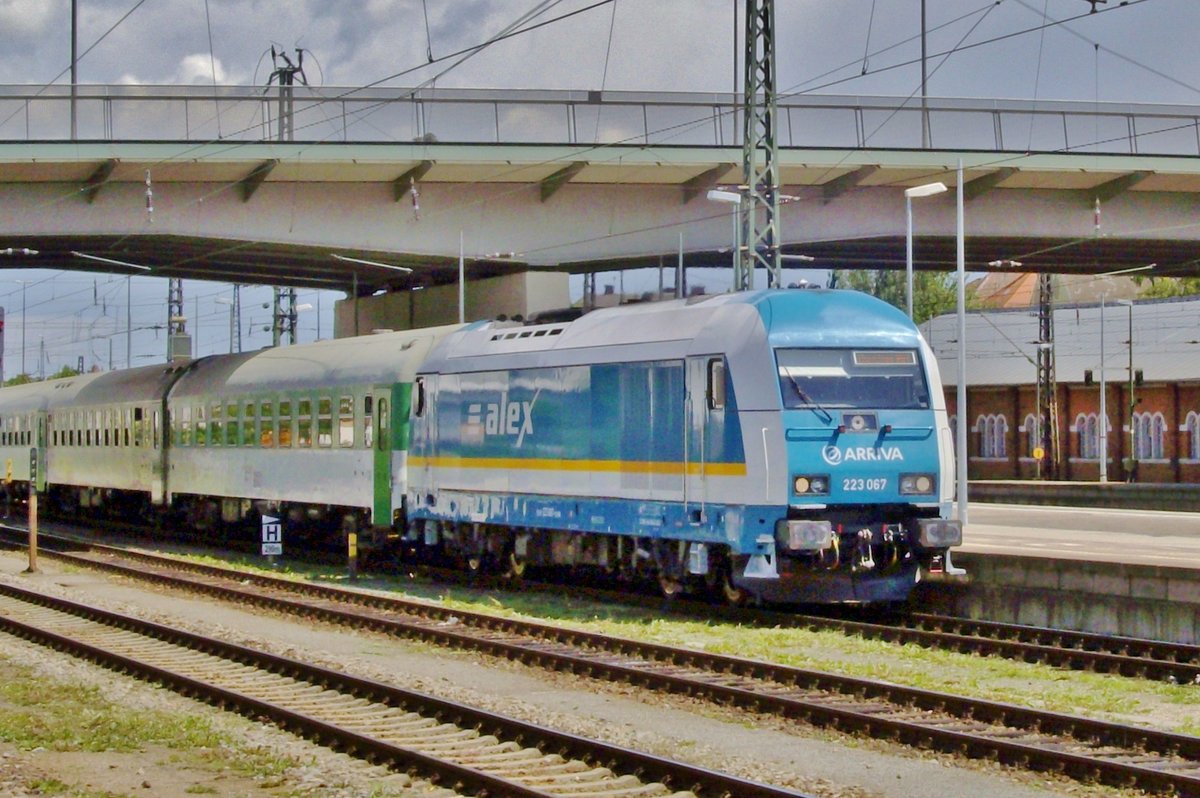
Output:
(1074, 650)
(645, 767)
(919, 717)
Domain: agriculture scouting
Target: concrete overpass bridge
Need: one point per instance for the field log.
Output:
(573, 181)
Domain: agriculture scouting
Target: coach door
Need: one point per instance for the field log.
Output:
(379, 438)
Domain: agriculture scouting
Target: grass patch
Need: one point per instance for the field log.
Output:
(1076, 692)
(55, 788)
(36, 712)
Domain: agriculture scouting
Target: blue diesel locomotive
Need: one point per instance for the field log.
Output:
(790, 446)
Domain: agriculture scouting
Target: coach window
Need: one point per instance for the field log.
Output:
(716, 383)
(129, 421)
(232, 428)
(304, 423)
(266, 421)
(368, 422)
(185, 427)
(325, 422)
(155, 429)
(216, 424)
(103, 434)
(201, 426)
(346, 421)
(285, 423)
(381, 411)
(138, 422)
(249, 432)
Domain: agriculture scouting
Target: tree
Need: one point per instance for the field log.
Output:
(934, 293)
(65, 371)
(25, 379)
(1165, 287)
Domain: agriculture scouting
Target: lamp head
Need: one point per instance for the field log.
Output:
(927, 190)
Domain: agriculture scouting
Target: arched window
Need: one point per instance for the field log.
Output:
(1193, 431)
(1149, 429)
(1087, 430)
(999, 436)
(1033, 434)
(993, 435)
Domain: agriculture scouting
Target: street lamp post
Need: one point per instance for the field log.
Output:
(734, 199)
(926, 190)
(1130, 472)
(1103, 431)
(961, 395)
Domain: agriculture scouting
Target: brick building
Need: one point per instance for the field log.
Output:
(1162, 444)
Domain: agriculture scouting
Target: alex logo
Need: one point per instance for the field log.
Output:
(501, 418)
(879, 454)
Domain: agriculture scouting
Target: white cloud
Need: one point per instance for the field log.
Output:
(199, 68)
(26, 17)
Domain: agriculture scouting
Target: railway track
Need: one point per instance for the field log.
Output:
(1139, 658)
(1082, 748)
(451, 744)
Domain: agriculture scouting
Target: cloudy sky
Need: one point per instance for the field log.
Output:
(1146, 47)
(1133, 51)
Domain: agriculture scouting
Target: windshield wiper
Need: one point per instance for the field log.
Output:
(808, 400)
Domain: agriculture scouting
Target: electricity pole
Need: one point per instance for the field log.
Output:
(286, 75)
(1047, 383)
(759, 208)
(283, 320)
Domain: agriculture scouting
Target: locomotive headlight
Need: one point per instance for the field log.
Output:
(811, 485)
(917, 484)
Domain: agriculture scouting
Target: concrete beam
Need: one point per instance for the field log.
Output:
(1106, 191)
(693, 187)
(404, 183)
(982, 185)
(551, 184)
(250, 183)
(840, 185)
(98, 178)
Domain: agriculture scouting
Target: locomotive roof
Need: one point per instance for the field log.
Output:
(744, 327)
(701, 325)
(383, 357)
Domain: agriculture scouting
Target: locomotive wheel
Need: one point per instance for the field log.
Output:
(734, 596)
(670, 570)
(670, 586)
(515, 567)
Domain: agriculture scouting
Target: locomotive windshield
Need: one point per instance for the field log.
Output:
(878, 379)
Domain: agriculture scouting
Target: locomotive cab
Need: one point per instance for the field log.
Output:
(869, 480)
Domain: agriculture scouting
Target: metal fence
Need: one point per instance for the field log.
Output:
(245, 114)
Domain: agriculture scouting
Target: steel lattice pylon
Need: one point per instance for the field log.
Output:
(283, 325)
(179, 344)
(1047, 382)
(759, 210)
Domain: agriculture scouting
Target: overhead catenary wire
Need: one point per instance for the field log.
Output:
(620, 233)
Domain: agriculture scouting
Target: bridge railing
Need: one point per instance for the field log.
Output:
(247, 114)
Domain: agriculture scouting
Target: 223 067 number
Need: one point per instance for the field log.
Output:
(856, 484)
